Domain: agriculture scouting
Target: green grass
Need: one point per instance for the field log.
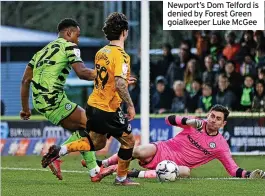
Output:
(40, 183)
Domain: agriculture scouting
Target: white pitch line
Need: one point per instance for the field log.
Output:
(36, 169)
(76, 171)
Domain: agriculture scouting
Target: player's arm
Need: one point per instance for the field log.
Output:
(121, 74)
(83, 72)
(73, 54)
(122, 89)
(24, 92)
(225, 157)
(180, 121)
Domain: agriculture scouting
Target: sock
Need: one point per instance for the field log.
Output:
(78, 145)
(147, 174)
(93, 172)
(90, 159)
(123, 166)
(113, 160)
(99, 163)
(120, 178)
(63, 150)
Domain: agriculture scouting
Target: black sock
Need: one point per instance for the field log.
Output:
(134, 173)
(99, 163)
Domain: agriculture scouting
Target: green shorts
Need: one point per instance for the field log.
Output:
(65, 109)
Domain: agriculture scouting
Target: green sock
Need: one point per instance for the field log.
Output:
(89, 156)
(90, 159)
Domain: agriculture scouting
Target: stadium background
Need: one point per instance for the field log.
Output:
(27, 26)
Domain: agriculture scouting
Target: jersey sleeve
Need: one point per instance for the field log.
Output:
(32, 62)
(73, 53)
(122, 64)
(225, 157)
(180, 121)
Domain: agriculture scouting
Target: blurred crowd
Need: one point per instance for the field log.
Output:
(226, 69)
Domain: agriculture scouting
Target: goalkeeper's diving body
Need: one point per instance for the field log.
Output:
(198, 143)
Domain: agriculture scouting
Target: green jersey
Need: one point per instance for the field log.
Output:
(51, 66)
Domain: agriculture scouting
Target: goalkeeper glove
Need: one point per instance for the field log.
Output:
(257, 174)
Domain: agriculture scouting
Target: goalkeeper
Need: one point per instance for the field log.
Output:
(198, 143)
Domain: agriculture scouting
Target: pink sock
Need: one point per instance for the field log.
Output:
(147, 174)
(113, 160)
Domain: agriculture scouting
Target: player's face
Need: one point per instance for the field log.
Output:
(215, 120)
(74, 36)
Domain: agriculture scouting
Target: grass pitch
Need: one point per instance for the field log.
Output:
(206, 180)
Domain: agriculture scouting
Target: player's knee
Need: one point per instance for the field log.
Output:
(136, 153)
(184, 171)
(125, 154)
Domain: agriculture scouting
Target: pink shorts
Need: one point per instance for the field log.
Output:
(163, 152)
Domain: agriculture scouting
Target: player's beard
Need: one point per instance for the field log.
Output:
(212, 128)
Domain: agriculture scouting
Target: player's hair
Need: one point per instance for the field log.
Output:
(114, 25)
(220, 108)
(66, 23)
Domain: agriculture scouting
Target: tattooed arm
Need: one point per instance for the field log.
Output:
(122, 89)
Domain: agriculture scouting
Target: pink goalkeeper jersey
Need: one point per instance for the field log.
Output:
(193, 148)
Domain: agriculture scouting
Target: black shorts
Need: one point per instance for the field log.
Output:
(110, 123)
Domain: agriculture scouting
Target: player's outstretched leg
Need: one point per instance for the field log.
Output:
(56, 151)
(55, 166)
(77, 121)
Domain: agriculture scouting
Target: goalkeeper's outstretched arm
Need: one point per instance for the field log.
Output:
(232, 168)
(183, 122)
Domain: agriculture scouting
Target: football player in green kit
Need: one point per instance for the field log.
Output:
(47, 72)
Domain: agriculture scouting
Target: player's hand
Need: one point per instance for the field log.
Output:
(195, 123)
(257, 174)
(130, 113)
(132, 80)
(25, 114)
